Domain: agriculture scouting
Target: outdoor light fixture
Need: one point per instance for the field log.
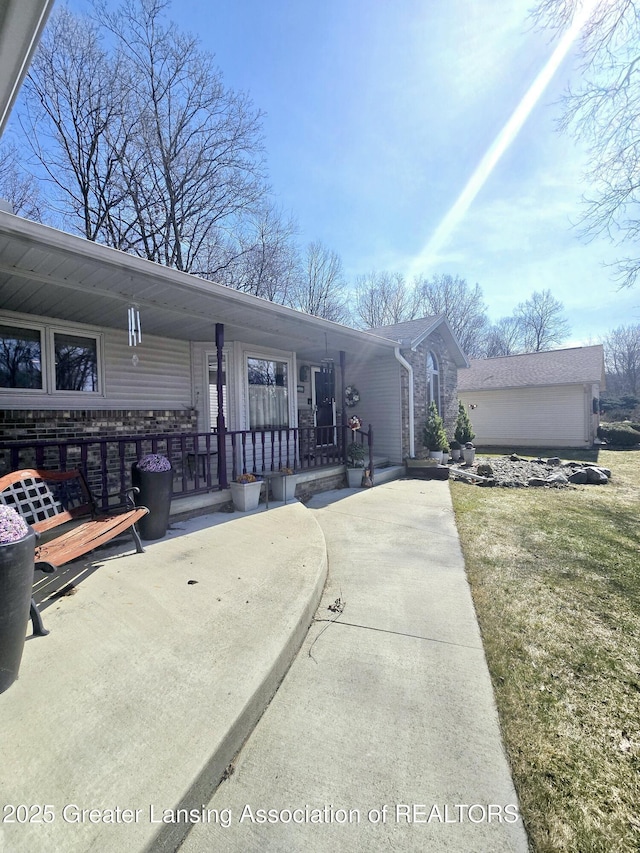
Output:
(135, 330)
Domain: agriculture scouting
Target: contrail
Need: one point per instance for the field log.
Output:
(501, 143)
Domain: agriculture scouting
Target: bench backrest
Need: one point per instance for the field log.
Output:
(46, 499)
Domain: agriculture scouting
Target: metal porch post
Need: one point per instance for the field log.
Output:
(220, 423)
(343, 407)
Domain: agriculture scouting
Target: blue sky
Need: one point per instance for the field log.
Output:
(377, 115)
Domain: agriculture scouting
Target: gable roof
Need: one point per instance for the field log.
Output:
(412, 333)
(552, 367)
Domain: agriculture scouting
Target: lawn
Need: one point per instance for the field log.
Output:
(556, 583)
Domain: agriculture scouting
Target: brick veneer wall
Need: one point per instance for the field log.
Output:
(448, 389)
(49, 425)
(46, 425)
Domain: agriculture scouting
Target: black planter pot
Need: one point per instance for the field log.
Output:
(156, 488)
(16, 583)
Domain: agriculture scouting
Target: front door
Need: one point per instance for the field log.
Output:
(324, 405)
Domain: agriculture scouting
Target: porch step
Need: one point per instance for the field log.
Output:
(385, 475)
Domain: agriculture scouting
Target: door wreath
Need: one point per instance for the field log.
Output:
(351, 396)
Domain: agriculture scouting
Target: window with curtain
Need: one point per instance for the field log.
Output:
(433, 380)
(268, 393)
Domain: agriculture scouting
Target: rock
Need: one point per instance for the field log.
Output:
(485, 470)
(515, 458)
(554, 460)
(488, 481)
(557, 480)
(579, 477)
(536, 481)
(596, 476)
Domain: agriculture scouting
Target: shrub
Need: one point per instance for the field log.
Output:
(434, 436)
(356, 453)
(619, 435)
(464, 431)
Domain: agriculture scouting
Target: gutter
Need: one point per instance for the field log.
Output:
(412, 431)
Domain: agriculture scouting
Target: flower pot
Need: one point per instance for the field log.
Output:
(469, 454)
(354, 477)
(16, 583)
(156, 488)
(246, 496)
(284, 488)
(455, 454)
(436, 454)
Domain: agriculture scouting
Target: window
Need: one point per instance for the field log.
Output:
(433, 380)
(268, 393)
(20, 357)
(76, 360)
(49, 360)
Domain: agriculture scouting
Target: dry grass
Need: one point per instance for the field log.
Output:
(556, 583)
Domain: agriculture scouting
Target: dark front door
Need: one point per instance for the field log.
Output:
(324, 405)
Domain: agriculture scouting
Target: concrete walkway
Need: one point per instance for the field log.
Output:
(384, 733)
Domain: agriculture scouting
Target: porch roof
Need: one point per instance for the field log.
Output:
(48, 272)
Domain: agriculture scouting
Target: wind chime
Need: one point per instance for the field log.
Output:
(135, 330)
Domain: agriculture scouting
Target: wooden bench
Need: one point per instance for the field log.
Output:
(48, 499)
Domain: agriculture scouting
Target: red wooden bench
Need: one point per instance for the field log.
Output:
(48, 499)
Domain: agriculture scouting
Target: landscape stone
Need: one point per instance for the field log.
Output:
(578, 477)
(554, 460)
(485, 469)
(557, 480)
(596, 476)
(536, 481)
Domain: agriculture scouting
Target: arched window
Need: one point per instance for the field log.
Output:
(433, 380)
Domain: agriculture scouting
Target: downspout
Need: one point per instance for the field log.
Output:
(412, 432)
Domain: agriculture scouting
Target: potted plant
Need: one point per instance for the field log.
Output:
(245, 492)
(434, 436)
(284, 487)
(152, 476)
(17, 550)
(456, 450)
(469, 453)
(356, 453)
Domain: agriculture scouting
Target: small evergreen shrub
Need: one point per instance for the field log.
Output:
(464, 431)
(434, 436)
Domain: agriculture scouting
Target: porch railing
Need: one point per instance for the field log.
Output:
(196, 458)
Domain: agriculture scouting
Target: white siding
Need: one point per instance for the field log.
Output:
(378, 382)
(161, 379)
(531, 417)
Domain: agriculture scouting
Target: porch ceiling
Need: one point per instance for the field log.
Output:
(45, 271)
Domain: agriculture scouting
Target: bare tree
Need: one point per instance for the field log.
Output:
(320, 288)
(383, 299)
(462, 305)
(622, 360)
(148, 149)
(73, 117)
(504, 338)
(542, 324)
(603, 112)
(269, 264)
(17, 186)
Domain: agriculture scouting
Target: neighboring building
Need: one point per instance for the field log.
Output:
(541, 399)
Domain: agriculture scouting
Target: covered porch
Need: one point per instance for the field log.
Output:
(220, 381)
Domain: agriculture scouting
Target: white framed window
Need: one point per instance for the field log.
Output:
(49, 359)
(268, 391)
(433, 380)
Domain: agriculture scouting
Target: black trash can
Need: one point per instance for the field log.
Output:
(16, 589)
(156, 489)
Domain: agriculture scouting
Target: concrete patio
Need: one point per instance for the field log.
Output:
(153, 684)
